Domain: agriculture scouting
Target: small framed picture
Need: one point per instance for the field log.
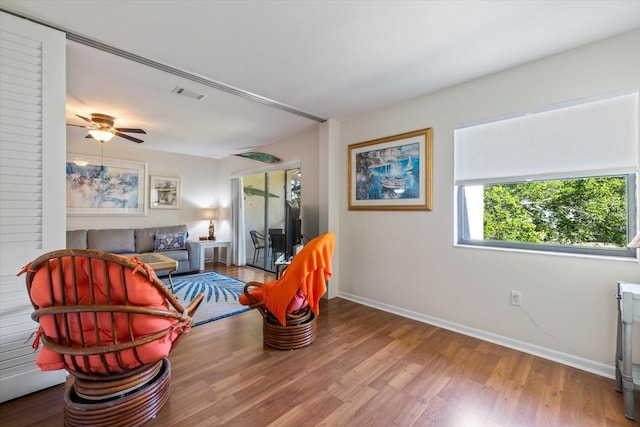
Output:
(165, 192)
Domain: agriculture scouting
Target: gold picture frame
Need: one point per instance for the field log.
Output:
(392, 173)
(165, 192)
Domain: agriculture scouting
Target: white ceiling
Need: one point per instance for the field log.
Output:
(332, 59)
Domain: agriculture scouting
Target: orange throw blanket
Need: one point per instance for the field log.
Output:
(309, 272)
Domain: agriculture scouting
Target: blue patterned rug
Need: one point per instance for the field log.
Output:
(220, 295)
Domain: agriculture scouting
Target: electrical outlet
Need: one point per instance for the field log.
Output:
(516, 298)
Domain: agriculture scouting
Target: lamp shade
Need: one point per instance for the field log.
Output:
(215, 213)
(635, 243)
(210, 213)
(225, 214)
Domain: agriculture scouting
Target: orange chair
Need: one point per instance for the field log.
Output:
(290, 305)
(111, 324)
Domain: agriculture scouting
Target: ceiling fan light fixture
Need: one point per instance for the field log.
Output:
(101, 135)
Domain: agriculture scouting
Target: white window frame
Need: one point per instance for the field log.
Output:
(470, 227)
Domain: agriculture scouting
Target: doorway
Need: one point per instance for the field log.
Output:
(265, 201)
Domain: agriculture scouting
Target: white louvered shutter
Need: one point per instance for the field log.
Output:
(32, 194)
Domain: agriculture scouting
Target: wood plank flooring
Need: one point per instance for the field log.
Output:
(367, 368)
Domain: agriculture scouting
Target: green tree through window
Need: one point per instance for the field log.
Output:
(588, 211)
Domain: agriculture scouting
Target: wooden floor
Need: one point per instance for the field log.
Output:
(367, 368)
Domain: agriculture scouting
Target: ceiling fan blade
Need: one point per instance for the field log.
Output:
(89, 136)
(79, 126)
(130, 138)
(84, 118)
(131, 130)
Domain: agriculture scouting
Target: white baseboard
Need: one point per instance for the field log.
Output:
(607, 371)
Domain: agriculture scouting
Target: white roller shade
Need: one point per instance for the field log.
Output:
(589, 138)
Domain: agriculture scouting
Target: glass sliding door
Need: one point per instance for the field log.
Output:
(274, 221)
(294, 185)
(265, 197)
(254, 214)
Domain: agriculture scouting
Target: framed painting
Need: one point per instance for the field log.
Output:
(105, 186)
(165, 192)
(392, 173)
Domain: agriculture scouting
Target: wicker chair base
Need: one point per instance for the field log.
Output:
(130, 408)
(301, 330)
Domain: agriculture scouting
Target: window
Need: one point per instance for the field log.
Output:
(561, 180)
(581, 215)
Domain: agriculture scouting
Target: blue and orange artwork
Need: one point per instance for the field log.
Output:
(96, 186)
(388, 173)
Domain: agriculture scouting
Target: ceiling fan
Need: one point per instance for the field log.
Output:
(102, 129)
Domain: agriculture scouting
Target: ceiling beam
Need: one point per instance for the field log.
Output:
(70, 35)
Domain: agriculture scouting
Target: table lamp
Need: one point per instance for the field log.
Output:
(212, 229)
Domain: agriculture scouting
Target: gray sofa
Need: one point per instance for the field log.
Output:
(137, 241)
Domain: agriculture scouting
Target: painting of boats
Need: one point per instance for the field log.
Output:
(391, 173)
(391, 170)
(394, 184)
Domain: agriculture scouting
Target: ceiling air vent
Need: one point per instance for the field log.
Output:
(189, 93)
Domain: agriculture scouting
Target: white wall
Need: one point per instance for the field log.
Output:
(200, 187)
(406, 261)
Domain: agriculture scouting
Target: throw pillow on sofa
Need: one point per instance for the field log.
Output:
(170, 241)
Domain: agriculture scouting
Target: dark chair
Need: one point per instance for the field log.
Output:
(111, 323)
(258, 244)
(277, 243)
(290, 305)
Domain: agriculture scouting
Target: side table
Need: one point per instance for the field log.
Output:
(216, 245)
(159, 262)
(281, 264)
